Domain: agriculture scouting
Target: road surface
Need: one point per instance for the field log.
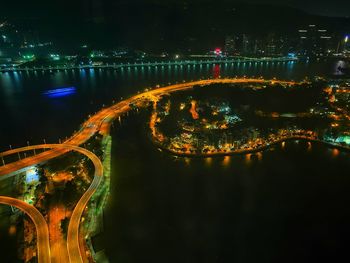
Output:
(42, 230)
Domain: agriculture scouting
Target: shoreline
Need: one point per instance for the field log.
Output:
(250, 151)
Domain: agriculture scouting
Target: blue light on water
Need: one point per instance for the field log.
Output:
(60, 92)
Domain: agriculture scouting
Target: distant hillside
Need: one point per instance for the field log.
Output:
(158, 26)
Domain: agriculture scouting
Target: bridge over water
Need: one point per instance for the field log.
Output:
(117, 66)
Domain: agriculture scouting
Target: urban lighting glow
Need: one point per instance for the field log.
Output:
(28, 56)
(31, 176)
(55, 56)
(218, 51)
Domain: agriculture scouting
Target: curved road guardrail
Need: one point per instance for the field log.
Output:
(42, 230)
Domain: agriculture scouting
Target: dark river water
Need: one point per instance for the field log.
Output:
(289, 206)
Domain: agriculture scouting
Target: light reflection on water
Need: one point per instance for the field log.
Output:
(226, 161)
(260, 156)
(248, 158)
(208, 161)
(283, 145)
(335, 152)
(309, 146)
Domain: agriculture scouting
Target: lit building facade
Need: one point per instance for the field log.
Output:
(230, 45)
(314, 41)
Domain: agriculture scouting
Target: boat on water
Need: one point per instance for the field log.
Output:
(59, 92)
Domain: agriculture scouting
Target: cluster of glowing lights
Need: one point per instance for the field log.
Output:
(28, 56)
(55, 57)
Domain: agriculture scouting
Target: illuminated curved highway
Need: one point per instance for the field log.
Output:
(100, 123)
(73, 247)
(42, 230)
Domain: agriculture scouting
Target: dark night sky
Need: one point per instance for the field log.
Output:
(168, 22)
(40, 7)
(320, 7)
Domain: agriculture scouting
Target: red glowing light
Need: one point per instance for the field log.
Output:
(218, 51)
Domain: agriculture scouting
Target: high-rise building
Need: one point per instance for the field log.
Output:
(270, 48)
(245, 44)
(314, 41)
(230, 45)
